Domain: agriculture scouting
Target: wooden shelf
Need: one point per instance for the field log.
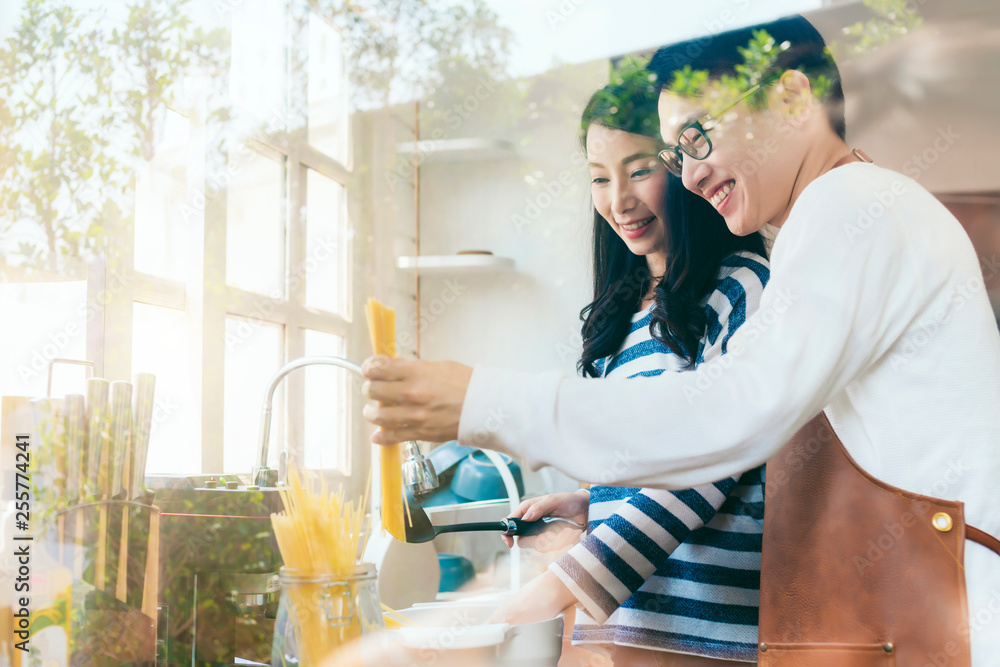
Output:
(455, 264)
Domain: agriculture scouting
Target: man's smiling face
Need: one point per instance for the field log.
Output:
(749, 174)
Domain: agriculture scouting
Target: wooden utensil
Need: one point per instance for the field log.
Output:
(76, 422)
(142, 423)
(121, 427)
(98, 462)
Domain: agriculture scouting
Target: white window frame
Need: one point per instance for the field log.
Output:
(207, 307)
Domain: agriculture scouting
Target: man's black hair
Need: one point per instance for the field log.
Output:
(720, 54)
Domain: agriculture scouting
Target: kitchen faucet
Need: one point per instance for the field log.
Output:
(418, 471)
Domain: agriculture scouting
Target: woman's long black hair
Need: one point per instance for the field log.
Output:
(697, 240)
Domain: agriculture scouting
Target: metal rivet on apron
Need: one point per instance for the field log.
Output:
(888, 647)
(942, 522)
(763, 647)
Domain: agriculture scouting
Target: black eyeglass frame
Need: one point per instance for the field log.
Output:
(703, 125)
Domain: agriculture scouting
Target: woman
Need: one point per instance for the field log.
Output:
(671, 285)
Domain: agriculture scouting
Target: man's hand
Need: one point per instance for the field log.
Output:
(417, 400)
(542, 598)
(572, 506)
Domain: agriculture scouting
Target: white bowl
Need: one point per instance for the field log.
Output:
(452, 628)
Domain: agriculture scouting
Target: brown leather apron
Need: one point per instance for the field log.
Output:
(856, 572)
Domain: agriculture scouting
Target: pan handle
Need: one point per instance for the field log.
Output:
(509, 526)
(526, 528)
(476, 526)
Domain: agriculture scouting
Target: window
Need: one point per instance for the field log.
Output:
(327, 91)
(36, 335)
(326, 241)
(255, 222)
(274, 285)
(162, 234)
(328, 407)
(254, 352)
(230, 258)
(161, 346)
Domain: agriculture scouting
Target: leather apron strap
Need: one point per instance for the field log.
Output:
(983, 538)
(856, 572)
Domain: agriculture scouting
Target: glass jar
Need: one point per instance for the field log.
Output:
(318, 613)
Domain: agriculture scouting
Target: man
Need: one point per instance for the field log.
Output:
(876, 315)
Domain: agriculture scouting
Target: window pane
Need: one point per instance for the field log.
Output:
(253, 355)
(328, 116)
(327, 406)
(160, 346)
(42, 321)
(162, 235)
(255, 228)
(257, 79)
(326, 247)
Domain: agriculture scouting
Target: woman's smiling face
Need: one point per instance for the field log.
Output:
(627, 184)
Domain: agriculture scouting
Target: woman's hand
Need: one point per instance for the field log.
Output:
(572, 506)
(417, 400)
(542, 598)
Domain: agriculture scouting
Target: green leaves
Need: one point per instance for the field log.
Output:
(689, 82)
(80, 108)
(759, 58)
(48, 82)
(631, 72)
(893, 19)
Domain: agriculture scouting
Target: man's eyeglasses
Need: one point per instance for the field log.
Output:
(693, 139)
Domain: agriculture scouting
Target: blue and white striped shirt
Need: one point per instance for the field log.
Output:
(676, 570)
